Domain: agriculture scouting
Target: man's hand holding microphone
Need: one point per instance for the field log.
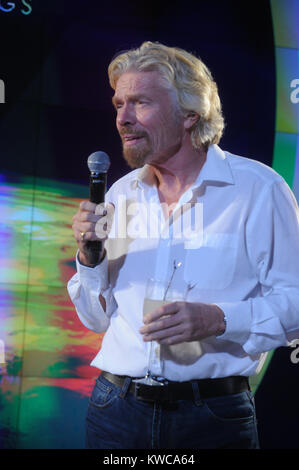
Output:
(92, 222)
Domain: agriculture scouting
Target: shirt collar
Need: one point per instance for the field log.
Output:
(216, 168)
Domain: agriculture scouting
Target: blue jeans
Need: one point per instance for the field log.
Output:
(117, 420)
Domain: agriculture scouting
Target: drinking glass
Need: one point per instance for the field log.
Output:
(157, 293)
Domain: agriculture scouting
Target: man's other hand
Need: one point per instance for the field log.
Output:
(178, 322)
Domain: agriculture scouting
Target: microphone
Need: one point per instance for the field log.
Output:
(98, 164)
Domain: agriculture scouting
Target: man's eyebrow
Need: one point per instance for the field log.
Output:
(133, 97)
(114, 100)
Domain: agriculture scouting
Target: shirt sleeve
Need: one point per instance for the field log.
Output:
(266, 322)
(84, 289)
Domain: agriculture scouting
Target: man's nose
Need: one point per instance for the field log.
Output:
(126, 115)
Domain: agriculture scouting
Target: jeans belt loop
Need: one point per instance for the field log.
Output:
(125, 387)
(197, 399)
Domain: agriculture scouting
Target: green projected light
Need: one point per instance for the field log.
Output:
(285, 15)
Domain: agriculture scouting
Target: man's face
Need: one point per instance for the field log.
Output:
(148, 118)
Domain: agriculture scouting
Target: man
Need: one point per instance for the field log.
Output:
(239, 266)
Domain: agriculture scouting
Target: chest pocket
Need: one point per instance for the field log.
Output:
(211, 261)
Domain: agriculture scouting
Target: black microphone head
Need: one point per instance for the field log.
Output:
(98, 162)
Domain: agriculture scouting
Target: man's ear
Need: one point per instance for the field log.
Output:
(190, 119)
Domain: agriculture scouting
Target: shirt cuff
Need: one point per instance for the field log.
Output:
(98, 274)
(238, 321)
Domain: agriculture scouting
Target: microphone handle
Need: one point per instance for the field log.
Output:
(97, 190)
(97, 187)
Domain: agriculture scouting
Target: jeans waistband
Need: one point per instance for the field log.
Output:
(173, 391)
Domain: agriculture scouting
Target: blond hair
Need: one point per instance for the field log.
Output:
(195, 88)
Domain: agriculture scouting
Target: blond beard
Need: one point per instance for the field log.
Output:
(136, 157)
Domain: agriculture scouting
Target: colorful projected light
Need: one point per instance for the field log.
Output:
(285, 15)
(46, 378)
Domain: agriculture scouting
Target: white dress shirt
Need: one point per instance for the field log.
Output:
(244, 258)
